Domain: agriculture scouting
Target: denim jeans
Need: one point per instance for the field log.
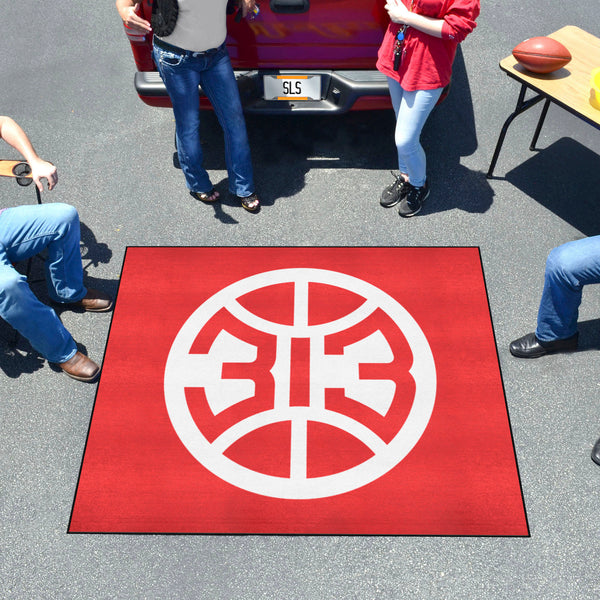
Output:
(412, 110)
(182, 73)
(568, 268)
(24, 232)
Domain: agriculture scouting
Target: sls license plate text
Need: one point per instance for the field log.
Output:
(292, 87)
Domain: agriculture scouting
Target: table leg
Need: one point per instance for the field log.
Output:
(522, 106)
(538, 129)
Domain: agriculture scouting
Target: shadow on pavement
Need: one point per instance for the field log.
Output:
(589, 334)
(285, 148)
(449, 135)
(565, 178)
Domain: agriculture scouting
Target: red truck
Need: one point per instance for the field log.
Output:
(296, 56)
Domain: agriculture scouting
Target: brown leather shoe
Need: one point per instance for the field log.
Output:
(94, 301)
(80, 367)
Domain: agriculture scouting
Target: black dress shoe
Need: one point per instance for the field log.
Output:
(596, 452)
(529, 346)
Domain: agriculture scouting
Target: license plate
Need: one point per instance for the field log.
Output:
(292, 87)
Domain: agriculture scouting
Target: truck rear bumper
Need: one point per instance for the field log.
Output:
(341, 91)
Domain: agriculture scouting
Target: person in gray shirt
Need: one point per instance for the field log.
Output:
(191, 52)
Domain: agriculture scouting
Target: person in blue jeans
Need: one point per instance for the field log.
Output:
(191, 54)
(24, 232)
(569, 268)
(416, 55)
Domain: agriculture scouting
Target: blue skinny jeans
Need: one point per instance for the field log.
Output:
(412, 110)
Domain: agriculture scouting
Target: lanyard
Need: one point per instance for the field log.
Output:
(399, 44)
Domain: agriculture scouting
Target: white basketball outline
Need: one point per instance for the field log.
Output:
(178, 376)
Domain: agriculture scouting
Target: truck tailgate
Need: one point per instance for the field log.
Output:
(309, 34)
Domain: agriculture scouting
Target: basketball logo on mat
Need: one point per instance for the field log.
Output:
(300, 383)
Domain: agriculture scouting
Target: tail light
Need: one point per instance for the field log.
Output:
(135, 36)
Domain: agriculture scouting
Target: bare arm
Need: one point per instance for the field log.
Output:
(248, 6)
(131, 19)
(400, 14)
(13, 135)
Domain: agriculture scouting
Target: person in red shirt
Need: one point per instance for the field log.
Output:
(416, 55)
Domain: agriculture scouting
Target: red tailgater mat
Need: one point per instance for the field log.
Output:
(301, 391)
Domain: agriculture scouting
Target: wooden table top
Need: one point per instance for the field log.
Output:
(571, 85)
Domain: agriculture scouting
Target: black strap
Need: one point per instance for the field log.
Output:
(164, 17)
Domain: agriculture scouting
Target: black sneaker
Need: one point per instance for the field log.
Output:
(395, 192)
(413, 201)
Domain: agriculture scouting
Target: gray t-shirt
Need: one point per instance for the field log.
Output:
(200, 25)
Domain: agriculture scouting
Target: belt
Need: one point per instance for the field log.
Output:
(171, 48)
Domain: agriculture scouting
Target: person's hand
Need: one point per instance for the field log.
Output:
(42, 169)
(397, 11)
(247, 6)
(132, 20)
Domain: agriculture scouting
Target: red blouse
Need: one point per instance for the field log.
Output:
(427, 60)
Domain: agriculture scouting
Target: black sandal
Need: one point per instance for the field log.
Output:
(206, 196)
(250, 203)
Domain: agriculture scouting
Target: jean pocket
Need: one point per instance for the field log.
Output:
(170, 59)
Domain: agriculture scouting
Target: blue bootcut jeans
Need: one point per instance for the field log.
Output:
(182, 73)
(568, 269)
(24, 232)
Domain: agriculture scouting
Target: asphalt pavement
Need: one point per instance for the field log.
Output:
(67, 78)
